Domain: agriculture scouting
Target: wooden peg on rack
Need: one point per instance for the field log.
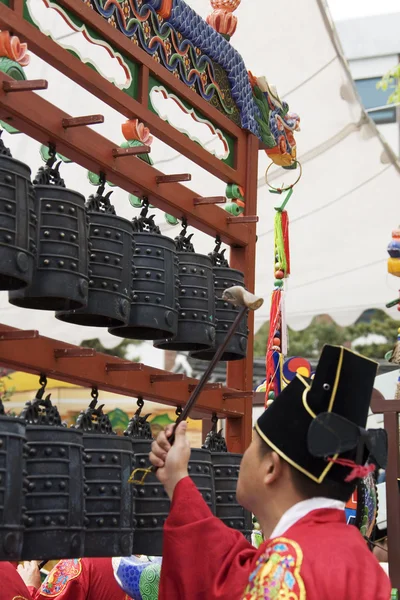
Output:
(28, 85)
(173, 178)
(125, 366)
(23, 334)
(82, 121)
(241, 220)
(134, 151)
(74, 353)
(211, 200)
(167, 377)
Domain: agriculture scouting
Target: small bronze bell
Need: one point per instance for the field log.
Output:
(54, 498)
(226, 471)
(152, 504)
(196, 322)
(154, 308)
(60, 279)
(151, 501)
(17, 222)
(12, 474)
(225, 277)
(109, 507)
(110, 267)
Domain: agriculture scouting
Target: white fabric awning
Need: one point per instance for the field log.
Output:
(341, 213)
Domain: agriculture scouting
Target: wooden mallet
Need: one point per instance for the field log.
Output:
(237, 296)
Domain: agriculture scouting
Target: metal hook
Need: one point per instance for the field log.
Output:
(94, 393)
(145, 207)
(178, 411)
(102, 183)
(52, 155)
(43, 380)
(140, 404)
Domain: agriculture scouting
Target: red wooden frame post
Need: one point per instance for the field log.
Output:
(390, 410)
(240, 375)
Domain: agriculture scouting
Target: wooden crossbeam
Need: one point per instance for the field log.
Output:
(40, 119)
(87, 368)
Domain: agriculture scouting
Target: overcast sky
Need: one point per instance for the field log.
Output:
(348, 9)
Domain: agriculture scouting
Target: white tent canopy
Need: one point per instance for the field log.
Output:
(342, 211)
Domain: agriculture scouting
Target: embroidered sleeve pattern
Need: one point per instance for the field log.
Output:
(57, 581)
(277, 573)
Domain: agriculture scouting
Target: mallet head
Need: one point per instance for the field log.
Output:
(238, 296)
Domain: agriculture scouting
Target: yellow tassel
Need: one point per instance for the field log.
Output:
(142, 480)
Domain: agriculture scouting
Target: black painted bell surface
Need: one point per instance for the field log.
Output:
(152, 504)
(54, 520)
(196, 322)
(60, 278)
(225, 277)
(12, 475)
(154, 307)
(17, 222)
(110, 267)
(226, 472)
(109, 506)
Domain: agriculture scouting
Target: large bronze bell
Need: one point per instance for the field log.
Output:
(54, 517)
(154, 308)
(151, 501)
(110, 267)
(60, 279)
(17, 222)
(196, 323)
(225, 277)
(109, 507)
(226, 471)
(12, 474)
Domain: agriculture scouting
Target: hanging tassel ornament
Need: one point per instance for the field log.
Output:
(277, 339)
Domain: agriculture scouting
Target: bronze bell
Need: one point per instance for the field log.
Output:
(17, 222)
(110, 267)
(154, 308)
(12, 477)
(151, 501)
(109, 507)
(196, 322)
(226, 471)
(60, 279)
(54, 526)
(152, 504)
(225, 277)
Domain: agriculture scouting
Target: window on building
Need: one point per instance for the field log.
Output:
(372, 98)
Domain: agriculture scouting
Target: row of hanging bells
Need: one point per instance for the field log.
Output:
(66, 490)
(94, 268)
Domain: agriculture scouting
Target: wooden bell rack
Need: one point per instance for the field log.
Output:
(72, 136)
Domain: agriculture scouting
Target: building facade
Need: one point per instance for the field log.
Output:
(372, 47)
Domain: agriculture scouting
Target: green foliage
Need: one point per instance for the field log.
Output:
(322, 330)
(120, 350)
(391, 80)
(5, 391)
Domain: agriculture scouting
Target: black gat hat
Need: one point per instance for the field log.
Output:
(343, 384)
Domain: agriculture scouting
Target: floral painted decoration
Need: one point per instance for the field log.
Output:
(135, 130)
(12, 48)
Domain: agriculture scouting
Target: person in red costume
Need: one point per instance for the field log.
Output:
(12, 586)
(75, 579)
(309, 553)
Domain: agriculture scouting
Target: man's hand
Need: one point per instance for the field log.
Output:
(172, 461)
(30, 573)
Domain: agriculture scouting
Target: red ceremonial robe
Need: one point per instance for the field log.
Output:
(318, 558)
(81, 579)
(12, 585)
